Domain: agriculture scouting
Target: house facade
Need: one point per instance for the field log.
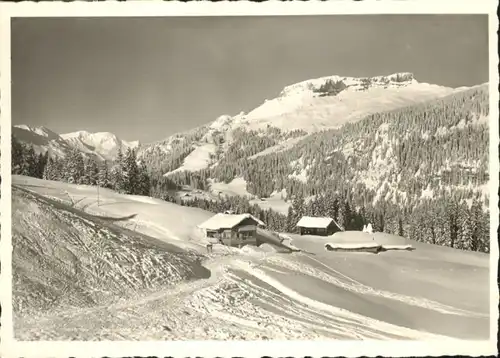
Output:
(320, 226)
(232, 230)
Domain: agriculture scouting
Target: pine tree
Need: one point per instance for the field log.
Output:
(31, 163)
(144, 184)
(332, 206)
(18, 156)
(58, 169)
(92, 172)
(103, 179)
(344, 214)
(465, 225)
(117, 173)
(391, 223)
(452, 211)
(290, 224)
(479, 240)
(85, 179)
(40, 164)
(116, 178)
(298, 207)
(74, 167)
(131, 173)
(322, 205)
(309, 209)
(401, 230)
(48, 172)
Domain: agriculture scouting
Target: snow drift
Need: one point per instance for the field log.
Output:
(366, 247)
(64, 258)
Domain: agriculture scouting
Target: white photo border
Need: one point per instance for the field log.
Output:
(12, 348)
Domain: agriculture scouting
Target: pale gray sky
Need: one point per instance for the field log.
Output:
(146, 78)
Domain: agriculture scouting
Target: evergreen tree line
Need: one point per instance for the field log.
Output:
(124, 175)
(26, 162)
(239, 205)
(440, 146)
(446, 223)
(167, 155)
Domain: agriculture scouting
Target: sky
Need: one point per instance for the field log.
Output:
(147, 78)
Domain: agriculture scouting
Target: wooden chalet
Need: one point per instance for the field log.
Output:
(231, 229)
(320, 226)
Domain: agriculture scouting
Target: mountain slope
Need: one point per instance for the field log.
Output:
(332, 101)
(301, 108)
(64, 258)
(102, 145)
(417, 170)
(42, 139)
(91, 283)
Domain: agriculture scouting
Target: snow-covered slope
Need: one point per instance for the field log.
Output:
(103, 145)
(64, 258)
(42, 139)
(304, 106)
(308, 106)
(73, 253)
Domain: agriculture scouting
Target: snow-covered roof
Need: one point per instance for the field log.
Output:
(227, 221)
(353, 246)
(314, 222)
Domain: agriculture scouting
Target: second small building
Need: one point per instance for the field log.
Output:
(321, 226)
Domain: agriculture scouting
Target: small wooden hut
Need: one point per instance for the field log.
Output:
(320, 226)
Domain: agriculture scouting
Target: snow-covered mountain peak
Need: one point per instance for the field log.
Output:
(95, 137)
(221, 122)
(134, 144)
(331, 101)
(41, 131)
(103, 145)
(359, 83)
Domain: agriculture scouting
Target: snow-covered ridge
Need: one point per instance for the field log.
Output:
(104, 145)
(308, 86)
(331, 101)
(42, 139)
(42, 131)
(309, 106)
(105, 140)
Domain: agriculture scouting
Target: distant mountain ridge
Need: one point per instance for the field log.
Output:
(102, 145)
(299, 110)
(410, 158)
(405, 157)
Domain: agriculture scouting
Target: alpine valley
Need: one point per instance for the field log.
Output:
(411, 158)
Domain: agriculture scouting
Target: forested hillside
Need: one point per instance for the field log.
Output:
(420, 171)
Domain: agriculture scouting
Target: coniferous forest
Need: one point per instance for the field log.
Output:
(414, 172)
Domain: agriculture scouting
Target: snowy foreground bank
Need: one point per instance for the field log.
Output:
(135, 268)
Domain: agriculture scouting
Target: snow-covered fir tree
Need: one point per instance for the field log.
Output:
(130, 172)
(144, 185)
(49, 170)
(117, 173)
(31, 163)
(104, 180)
(91, 174)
